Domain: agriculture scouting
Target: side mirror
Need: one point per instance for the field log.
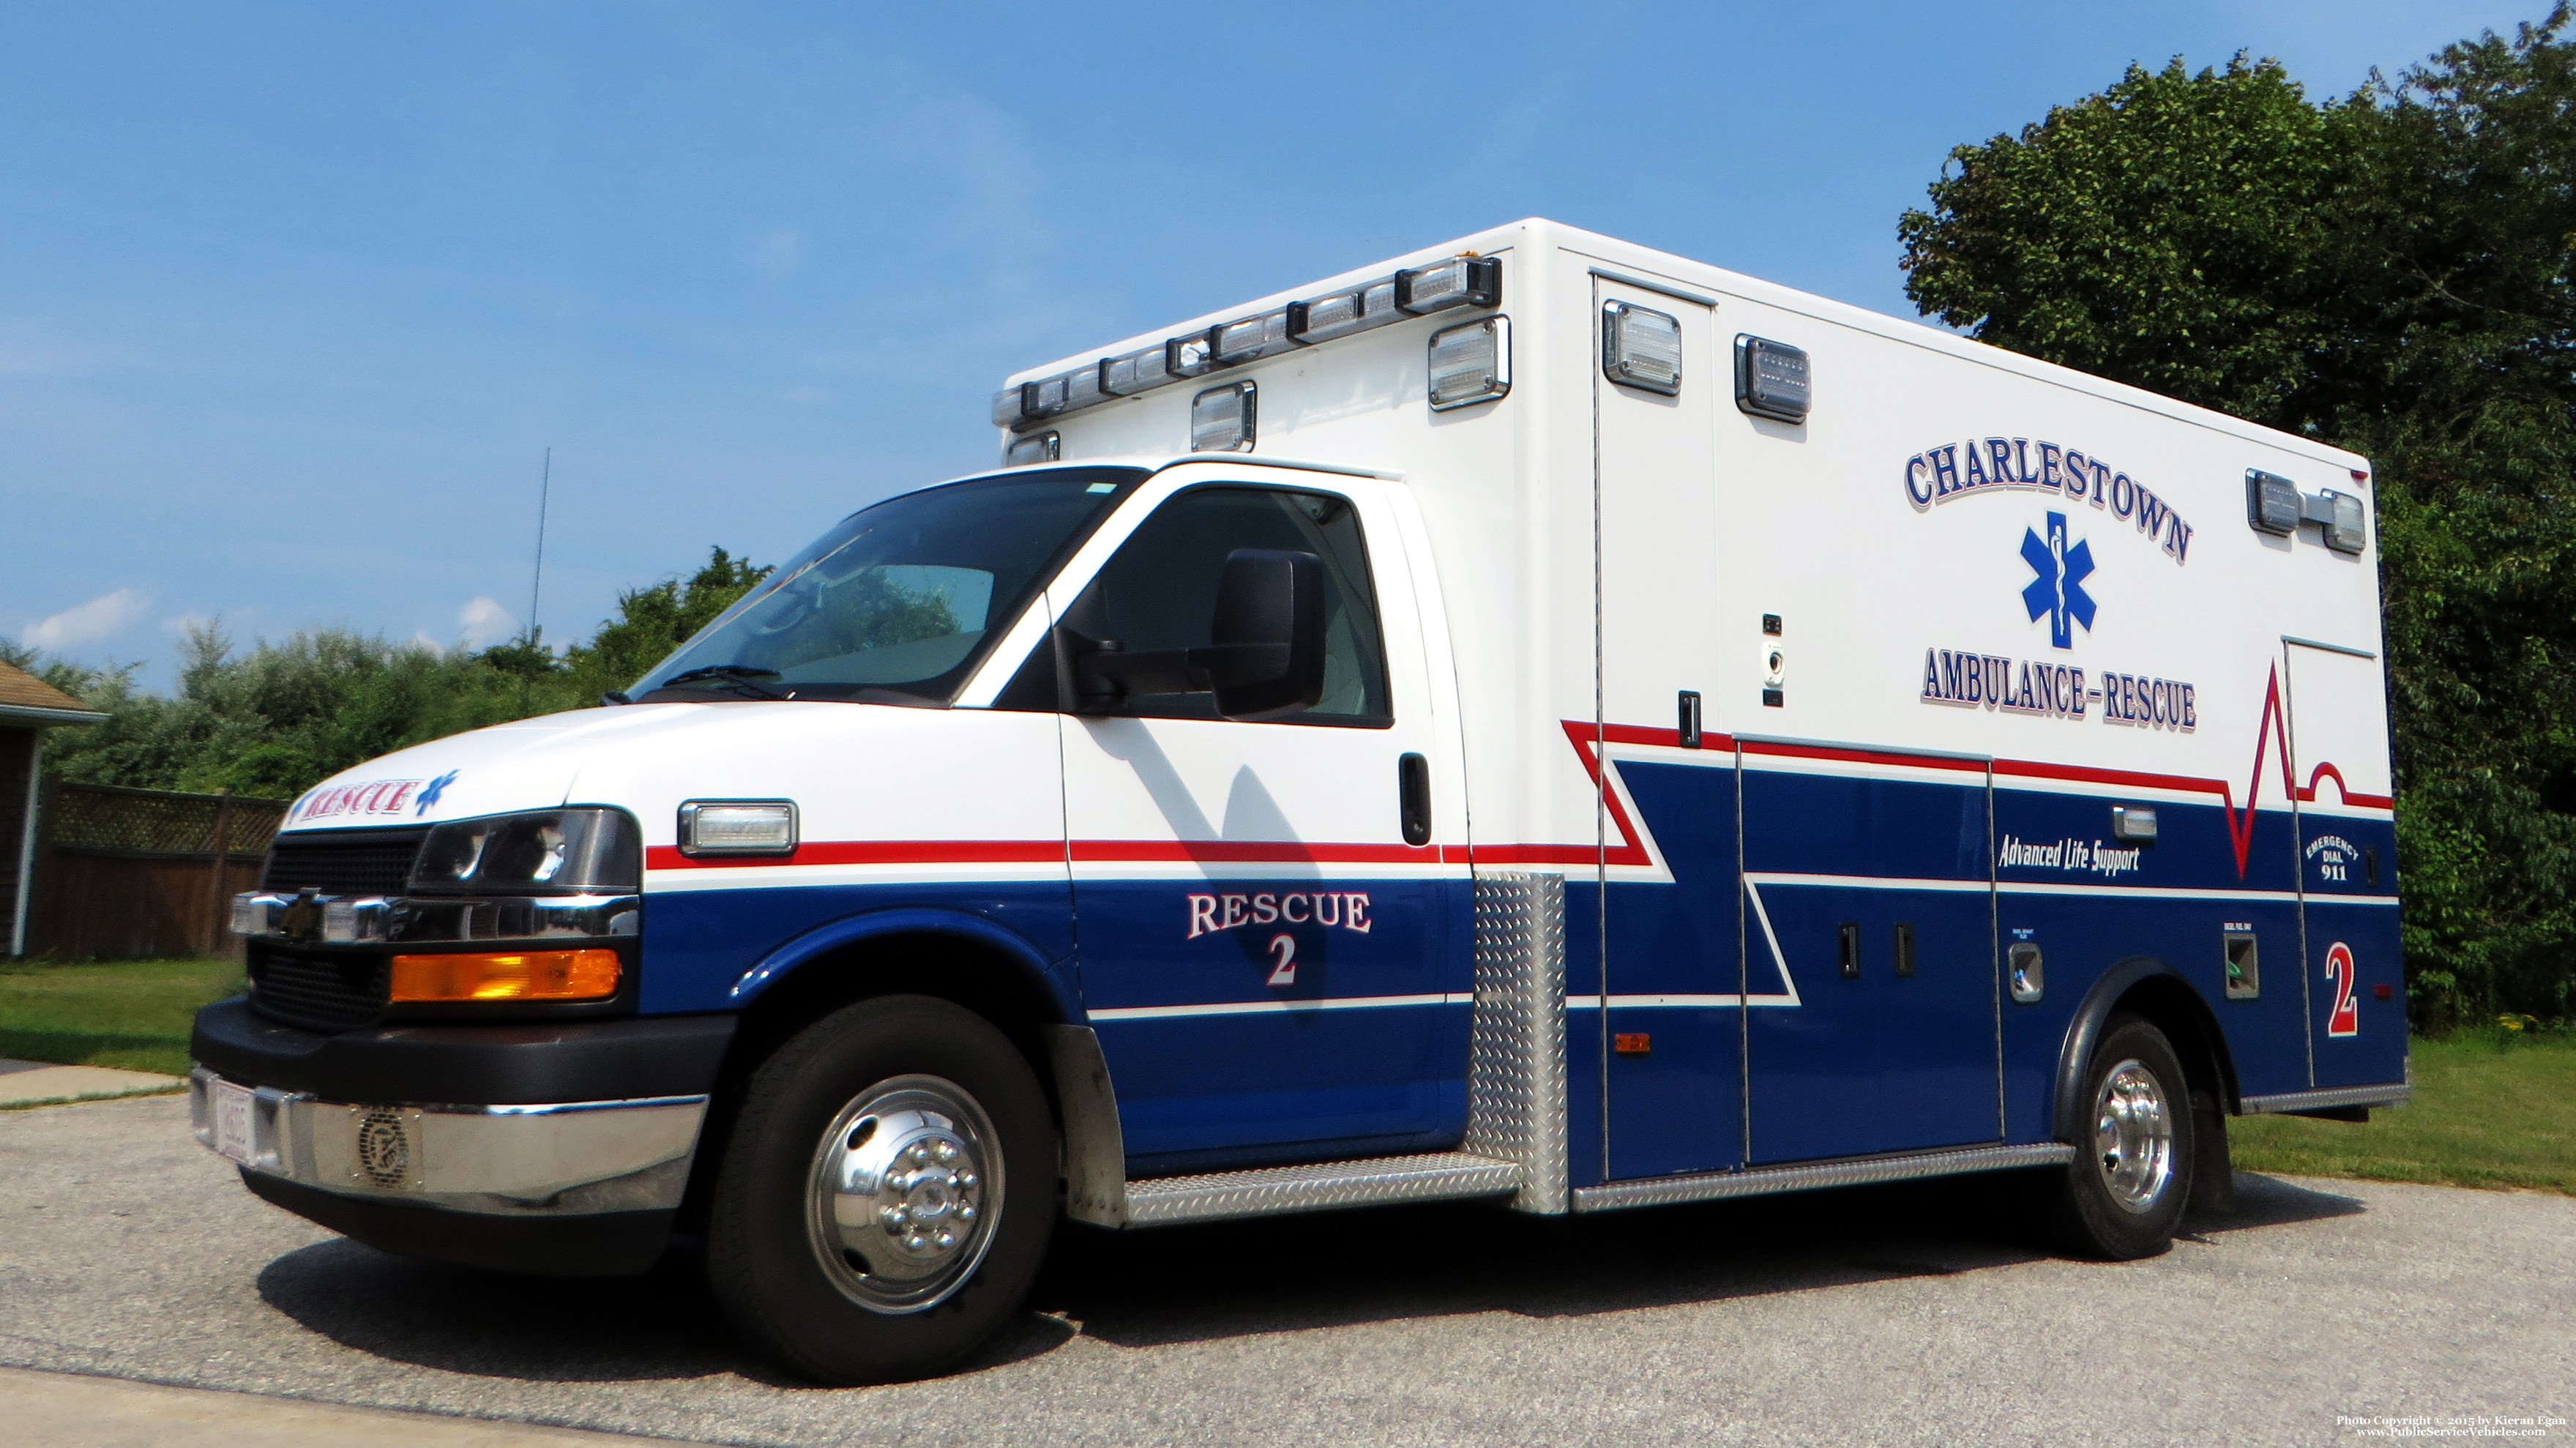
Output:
(1265, 654)
(1264, 658)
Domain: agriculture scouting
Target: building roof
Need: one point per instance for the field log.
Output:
(26, 699)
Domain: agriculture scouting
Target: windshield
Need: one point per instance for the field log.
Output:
(898, 603)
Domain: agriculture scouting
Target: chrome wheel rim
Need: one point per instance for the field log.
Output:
(2133, 1136)
(905, 1191)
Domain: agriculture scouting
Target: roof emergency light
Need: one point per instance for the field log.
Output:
(1461, 281)
(1343, 313)
(1045, 397)
(1253, 337)
(1471, 363)
(1134, 372)
(1190, 355)
(1221, 419)
(1641, 348)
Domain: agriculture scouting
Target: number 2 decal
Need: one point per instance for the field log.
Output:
(2345, 1019)
(1285, 972)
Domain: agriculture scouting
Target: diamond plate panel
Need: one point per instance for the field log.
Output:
(1218, 1195)
(1767, 1181)
(1516, 1057)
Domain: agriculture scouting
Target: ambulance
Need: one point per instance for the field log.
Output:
(1538, 721)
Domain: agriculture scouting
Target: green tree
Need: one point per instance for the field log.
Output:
(282, 717)
(2389, 271)
(653, 621)
(276, 720)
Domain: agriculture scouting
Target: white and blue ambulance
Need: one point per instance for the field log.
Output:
(1539, 720)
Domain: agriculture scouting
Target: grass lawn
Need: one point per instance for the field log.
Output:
(131, 1013)
(2491, 1109)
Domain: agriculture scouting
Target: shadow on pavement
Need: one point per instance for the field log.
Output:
(1188, 1284)
(546, 1329)
(2266, 1201)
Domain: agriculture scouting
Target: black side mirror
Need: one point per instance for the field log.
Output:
(1264, 658)
(1265, 654)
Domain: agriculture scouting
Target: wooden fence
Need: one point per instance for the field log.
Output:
(127, 874)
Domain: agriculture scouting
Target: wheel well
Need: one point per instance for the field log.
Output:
(972, 973)
(2174, 1008)
(991, 982)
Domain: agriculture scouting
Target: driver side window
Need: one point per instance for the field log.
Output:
(1159, 592)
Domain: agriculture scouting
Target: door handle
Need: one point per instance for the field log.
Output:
(1413, 791)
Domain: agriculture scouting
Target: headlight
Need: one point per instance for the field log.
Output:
(569, 851)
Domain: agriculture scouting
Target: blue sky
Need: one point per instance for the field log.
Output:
(293, 297)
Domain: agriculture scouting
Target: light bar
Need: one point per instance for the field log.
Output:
(1471, 363)
(1046, 398)
(1133, 373)
(2271, 503)
(1641, 348)
(1191, 355)
(738, 827)
(1253, 338)
(1344, 313)
(1221, 419)
(1460, 281)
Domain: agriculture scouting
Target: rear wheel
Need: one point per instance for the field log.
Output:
(2123, 1195)
(886, 1194)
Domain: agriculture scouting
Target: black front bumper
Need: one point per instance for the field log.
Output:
(561, 1148)
(501, 1065)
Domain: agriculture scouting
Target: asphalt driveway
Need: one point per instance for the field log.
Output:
(1918, 1314)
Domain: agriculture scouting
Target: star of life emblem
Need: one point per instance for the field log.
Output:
(2057, 592)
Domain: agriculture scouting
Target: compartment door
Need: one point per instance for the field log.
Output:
(1671, 986)
(1870, 946)
(2347, 865)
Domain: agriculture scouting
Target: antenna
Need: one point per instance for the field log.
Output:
(545, 486)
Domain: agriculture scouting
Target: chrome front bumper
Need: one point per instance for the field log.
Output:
(568, 1159)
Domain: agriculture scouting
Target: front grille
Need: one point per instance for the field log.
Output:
(320, 992)
(343, 862)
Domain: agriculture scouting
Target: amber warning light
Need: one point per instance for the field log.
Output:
(518, 975)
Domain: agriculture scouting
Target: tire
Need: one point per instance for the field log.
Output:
(2124, 1194)
(859, 1143)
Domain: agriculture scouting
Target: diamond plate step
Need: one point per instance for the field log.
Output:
(1215, 1196)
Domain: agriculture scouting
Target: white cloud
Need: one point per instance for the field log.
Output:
(422, 640)
(483, 623)
(102, 617)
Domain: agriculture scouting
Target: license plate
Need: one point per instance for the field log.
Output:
(232, 1112)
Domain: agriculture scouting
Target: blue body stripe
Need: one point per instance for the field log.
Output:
(1878, 1063)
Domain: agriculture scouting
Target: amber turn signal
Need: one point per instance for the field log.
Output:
(518, 975)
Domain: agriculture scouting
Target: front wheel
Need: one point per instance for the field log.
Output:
(886, 1194)
(2123, 1195)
